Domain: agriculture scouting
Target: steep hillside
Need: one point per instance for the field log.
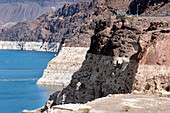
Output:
(150, 7)
(22, 10)
(65, 22)
(56, 26)
(121, 5)
(50, 27)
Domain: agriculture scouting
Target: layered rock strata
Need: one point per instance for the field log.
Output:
(126, 55)
(60, 69)
(65, 64)
(29, 46)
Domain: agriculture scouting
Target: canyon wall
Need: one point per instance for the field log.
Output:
(126, 55)
(60, 70)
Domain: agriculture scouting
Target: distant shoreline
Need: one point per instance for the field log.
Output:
(29, 46)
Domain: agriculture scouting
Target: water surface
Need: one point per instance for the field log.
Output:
(19, 71)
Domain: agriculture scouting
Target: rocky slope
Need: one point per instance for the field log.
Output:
(65, 22)
(126, 55)
(50, 27)
(22, 10)
(58, 25)
(150, 7)
(121, 6)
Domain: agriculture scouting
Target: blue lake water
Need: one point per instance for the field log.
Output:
(19, 71)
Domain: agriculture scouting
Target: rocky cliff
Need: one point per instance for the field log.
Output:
(60, 69)
(126, 55)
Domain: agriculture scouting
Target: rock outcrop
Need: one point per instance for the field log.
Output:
(60, 69)
(81, 42)
(126, 55)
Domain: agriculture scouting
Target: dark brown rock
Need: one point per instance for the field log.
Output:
(122, 60)
(50, 27)
(150, 7)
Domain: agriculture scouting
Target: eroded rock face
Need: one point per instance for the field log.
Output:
(60, 69)
(50, 27)
(125, 55)
(70, 58)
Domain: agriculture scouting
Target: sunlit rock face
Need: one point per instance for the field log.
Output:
(126, 55)
(61, 68)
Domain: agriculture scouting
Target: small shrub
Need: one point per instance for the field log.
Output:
(126, 108)
(168, 96)
(108, 17)
(161, 95)
(165, 25)
(129, 18)
(85, 110)
(148, 86)
(138, 23)
(163, 87)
